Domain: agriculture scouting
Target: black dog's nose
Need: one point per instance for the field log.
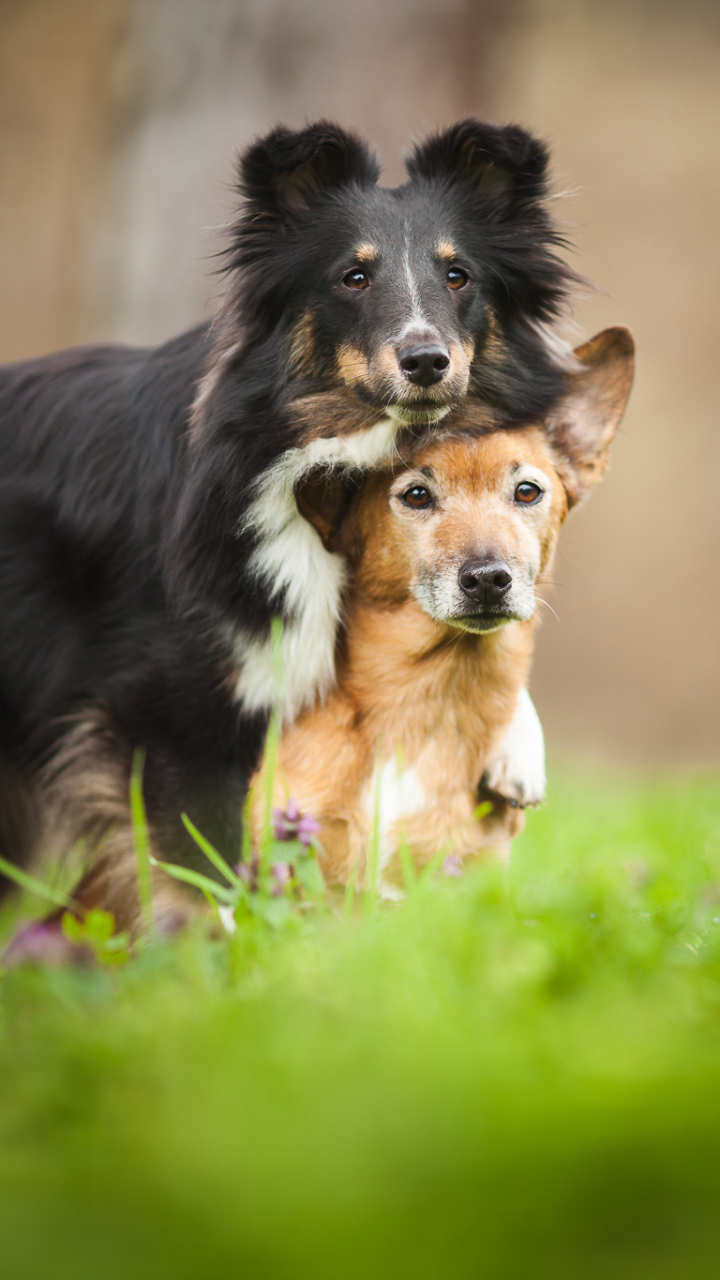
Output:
(486, 583)
(424, 363)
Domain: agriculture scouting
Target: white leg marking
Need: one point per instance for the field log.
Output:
(394, 794)
(517, 770)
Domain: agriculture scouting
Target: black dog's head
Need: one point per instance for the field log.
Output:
(406, 300)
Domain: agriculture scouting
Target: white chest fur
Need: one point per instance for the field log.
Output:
(292, 563)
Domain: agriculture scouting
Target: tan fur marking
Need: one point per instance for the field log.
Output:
(494, 347)
(446, 249)
(366, 253)
(302, 349)
(352, 365)
(330, 413)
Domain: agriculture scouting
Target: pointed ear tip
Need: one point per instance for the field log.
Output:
(622, 339)
(617, 340)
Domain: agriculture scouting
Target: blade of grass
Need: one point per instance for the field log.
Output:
(31, 885)
(141, 838)
(373, 856)
(210, 852)
(272, 748)
(406, 864)
(350, 891)
(246, 843)
(272, 744)
(432, 866)
(204, 883)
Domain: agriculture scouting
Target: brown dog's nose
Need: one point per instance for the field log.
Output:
(486, 583)
(424, 363)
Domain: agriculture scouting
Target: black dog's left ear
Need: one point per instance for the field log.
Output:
(582, 426)
(286, 171)
(504, 159)
(323, 497)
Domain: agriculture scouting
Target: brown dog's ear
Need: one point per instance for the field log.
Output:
(323, 498)
(583, 425)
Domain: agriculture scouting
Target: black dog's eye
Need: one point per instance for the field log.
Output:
(356, 279)
(457, 278)
(528, 492)
(418, 498)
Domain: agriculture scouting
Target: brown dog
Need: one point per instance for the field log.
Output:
(447, 549)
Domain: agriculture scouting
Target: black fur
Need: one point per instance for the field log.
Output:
(123, 559)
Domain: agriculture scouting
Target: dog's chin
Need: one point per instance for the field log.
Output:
(418, 413)
(481, 623)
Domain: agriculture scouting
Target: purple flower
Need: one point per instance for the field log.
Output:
(282, 875)
(291, 824)
(452, 865)
(43, 942)
(307, 828)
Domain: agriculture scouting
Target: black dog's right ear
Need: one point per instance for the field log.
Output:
(286, 171)
(501, 158)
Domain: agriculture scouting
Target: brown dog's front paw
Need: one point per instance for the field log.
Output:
(517, 770)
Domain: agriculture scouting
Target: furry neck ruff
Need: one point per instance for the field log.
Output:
(294, 566)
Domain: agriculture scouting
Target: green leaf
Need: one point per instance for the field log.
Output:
(97, 931)
(287, 851)
(274, 911)
(311, 877)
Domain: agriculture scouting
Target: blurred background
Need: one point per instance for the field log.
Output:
(119, 125)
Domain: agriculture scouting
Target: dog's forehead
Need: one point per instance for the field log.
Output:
(391, 223)
(473, 462)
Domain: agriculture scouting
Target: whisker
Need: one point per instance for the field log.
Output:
(539, 600)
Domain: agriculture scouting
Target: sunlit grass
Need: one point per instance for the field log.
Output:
(506, 1074)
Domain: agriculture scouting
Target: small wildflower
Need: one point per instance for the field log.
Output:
(282, 875)
(248, 872)
(291, 824)
(44, 942)
(307, 828)
(169, 923)
(452, 865)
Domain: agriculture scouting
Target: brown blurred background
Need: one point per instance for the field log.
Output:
(119, 122)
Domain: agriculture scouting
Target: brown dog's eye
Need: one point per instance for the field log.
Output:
(457, 278)
(527, 492)
(356, 279)
(418, 498)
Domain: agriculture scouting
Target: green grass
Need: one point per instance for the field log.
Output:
(501, 1076)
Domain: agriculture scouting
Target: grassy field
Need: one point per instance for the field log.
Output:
(506, 1074)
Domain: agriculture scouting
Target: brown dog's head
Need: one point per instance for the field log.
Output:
(468, 523)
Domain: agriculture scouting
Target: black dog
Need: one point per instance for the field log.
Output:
(148, 524)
